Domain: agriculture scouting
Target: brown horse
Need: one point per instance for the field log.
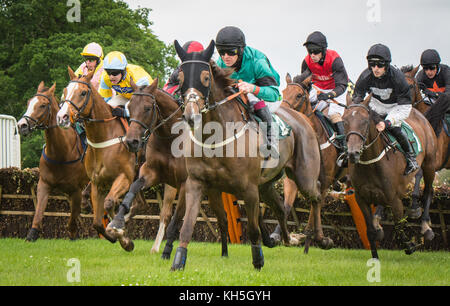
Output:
(61, 165)
(296, 96)
(153, 114)
(435, 113)
(376, 171)
(237, 171)
(109, 165)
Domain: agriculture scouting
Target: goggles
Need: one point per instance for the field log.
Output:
(230, 52)
(113, 72)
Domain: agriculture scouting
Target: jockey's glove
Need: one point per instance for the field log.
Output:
(325, 96)
(120, 112)
(431, 94)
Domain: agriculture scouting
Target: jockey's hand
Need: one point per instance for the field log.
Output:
(380, 126)
(246, 87)
(118, 112)
(325, 96)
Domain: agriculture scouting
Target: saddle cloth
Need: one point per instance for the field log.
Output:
(284, 129)
(412, 138)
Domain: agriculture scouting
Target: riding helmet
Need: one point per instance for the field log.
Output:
(430, 57)
(230, 36)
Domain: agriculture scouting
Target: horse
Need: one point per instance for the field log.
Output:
(109, 165)
(435, 113)
(153, 113)
(296, 96)
(244, 174)
(376, 171)
(61, 164)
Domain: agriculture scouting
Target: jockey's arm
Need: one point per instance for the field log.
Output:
(340, 76)
(104, 89)
(266, 83)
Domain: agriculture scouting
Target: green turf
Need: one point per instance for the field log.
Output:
(45, 262)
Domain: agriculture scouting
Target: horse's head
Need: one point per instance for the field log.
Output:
(77, 94)
(195, 81)
(416, 97)
(143, 115)
(356, 123)
(38, 114)
(296, 94)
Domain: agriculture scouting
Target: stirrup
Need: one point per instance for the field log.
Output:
(342, 160)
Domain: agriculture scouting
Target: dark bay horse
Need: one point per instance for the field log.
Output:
(376, 171)
(61, 166)
(154, 113)
(435, 113)
(296, 96)
(109, 165)
(238, 171)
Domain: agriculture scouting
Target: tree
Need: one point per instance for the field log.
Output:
(38, 43)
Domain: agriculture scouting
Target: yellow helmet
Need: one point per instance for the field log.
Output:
(93, 49)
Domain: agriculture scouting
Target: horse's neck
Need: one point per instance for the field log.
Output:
(377, 145)
(101, 131)
(227, 112)
(168, 107)
(58, 141)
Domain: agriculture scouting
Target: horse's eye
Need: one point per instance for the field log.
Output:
(299, 96)
(83, 93)
(42, 106)
(147, 109)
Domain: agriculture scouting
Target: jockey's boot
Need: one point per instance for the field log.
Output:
(342, 160)
(81, 130)
(265, 115)
(402, 138)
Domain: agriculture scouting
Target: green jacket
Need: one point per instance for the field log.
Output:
(256, 69)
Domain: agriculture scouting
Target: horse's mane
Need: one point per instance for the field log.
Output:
(436, 113)
(222, 76)
(407, 68)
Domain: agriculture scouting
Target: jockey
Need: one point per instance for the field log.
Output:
(260, 81)
(434, 78)
(93, 56)
(391, 99)
(117, 75)
(172, 85)
(329, 79)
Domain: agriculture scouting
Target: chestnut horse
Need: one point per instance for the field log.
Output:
(376, 171)
(153, 113)
(109, 165)
(243, 174)
(296, 96)
(61, 165)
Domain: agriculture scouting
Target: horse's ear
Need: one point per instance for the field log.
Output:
(154, 85)
(52, 89)
(209, 51)
(133, 85)
(90, 75)
(307, 81)
(288, 78)
(71, 73)
(414, 71)
(180, 51)
(367, 100)
(41, 86)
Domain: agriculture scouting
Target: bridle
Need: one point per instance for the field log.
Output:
(193, 97)
(302, 102)
(81, 109)
(414, 87)
(365, 135)
(40, 124)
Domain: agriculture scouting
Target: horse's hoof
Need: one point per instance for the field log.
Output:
(428, 235)
(154, 251)
(275, 237)
(33, 235)
(326, 243)
(166, 252)
(415, 213)
(117, 223)
(379, 235)
(179, 262)
(258, 257)
(127, 244)
(411, 247)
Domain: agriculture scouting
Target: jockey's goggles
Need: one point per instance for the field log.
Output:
(379, 64)
(429, 67)
(113, 72)
(90, 58)
(229, 51)
(314, 51)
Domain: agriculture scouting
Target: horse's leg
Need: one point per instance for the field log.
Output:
(290, 193)
(415, 210)
(376, 222)
(85, 198)
(75, 210)
(173, 229)
(98, 200)
(118, 188)
(368, 217)
(427, 198)
(194, 192)
(43, 190)
(251, 199)
(400, 224)
(216, 204)
(271, 197)
(324, 242)
(170, 194)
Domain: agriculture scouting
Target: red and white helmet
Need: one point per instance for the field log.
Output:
(93, 49)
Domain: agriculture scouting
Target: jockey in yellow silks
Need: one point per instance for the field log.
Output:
(117, 75)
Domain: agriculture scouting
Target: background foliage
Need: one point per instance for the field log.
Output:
(37, 43)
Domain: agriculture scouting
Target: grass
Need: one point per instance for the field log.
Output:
(45, 262)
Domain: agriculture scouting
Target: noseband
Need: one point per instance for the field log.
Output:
(363, 137)
(86, 100)
(303, 98)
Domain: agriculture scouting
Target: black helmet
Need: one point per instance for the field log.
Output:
(430, 57)
(230, 37)
(379, 51)
(316, 38)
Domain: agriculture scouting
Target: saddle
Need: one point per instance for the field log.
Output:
(412, 138)
(329, 128)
